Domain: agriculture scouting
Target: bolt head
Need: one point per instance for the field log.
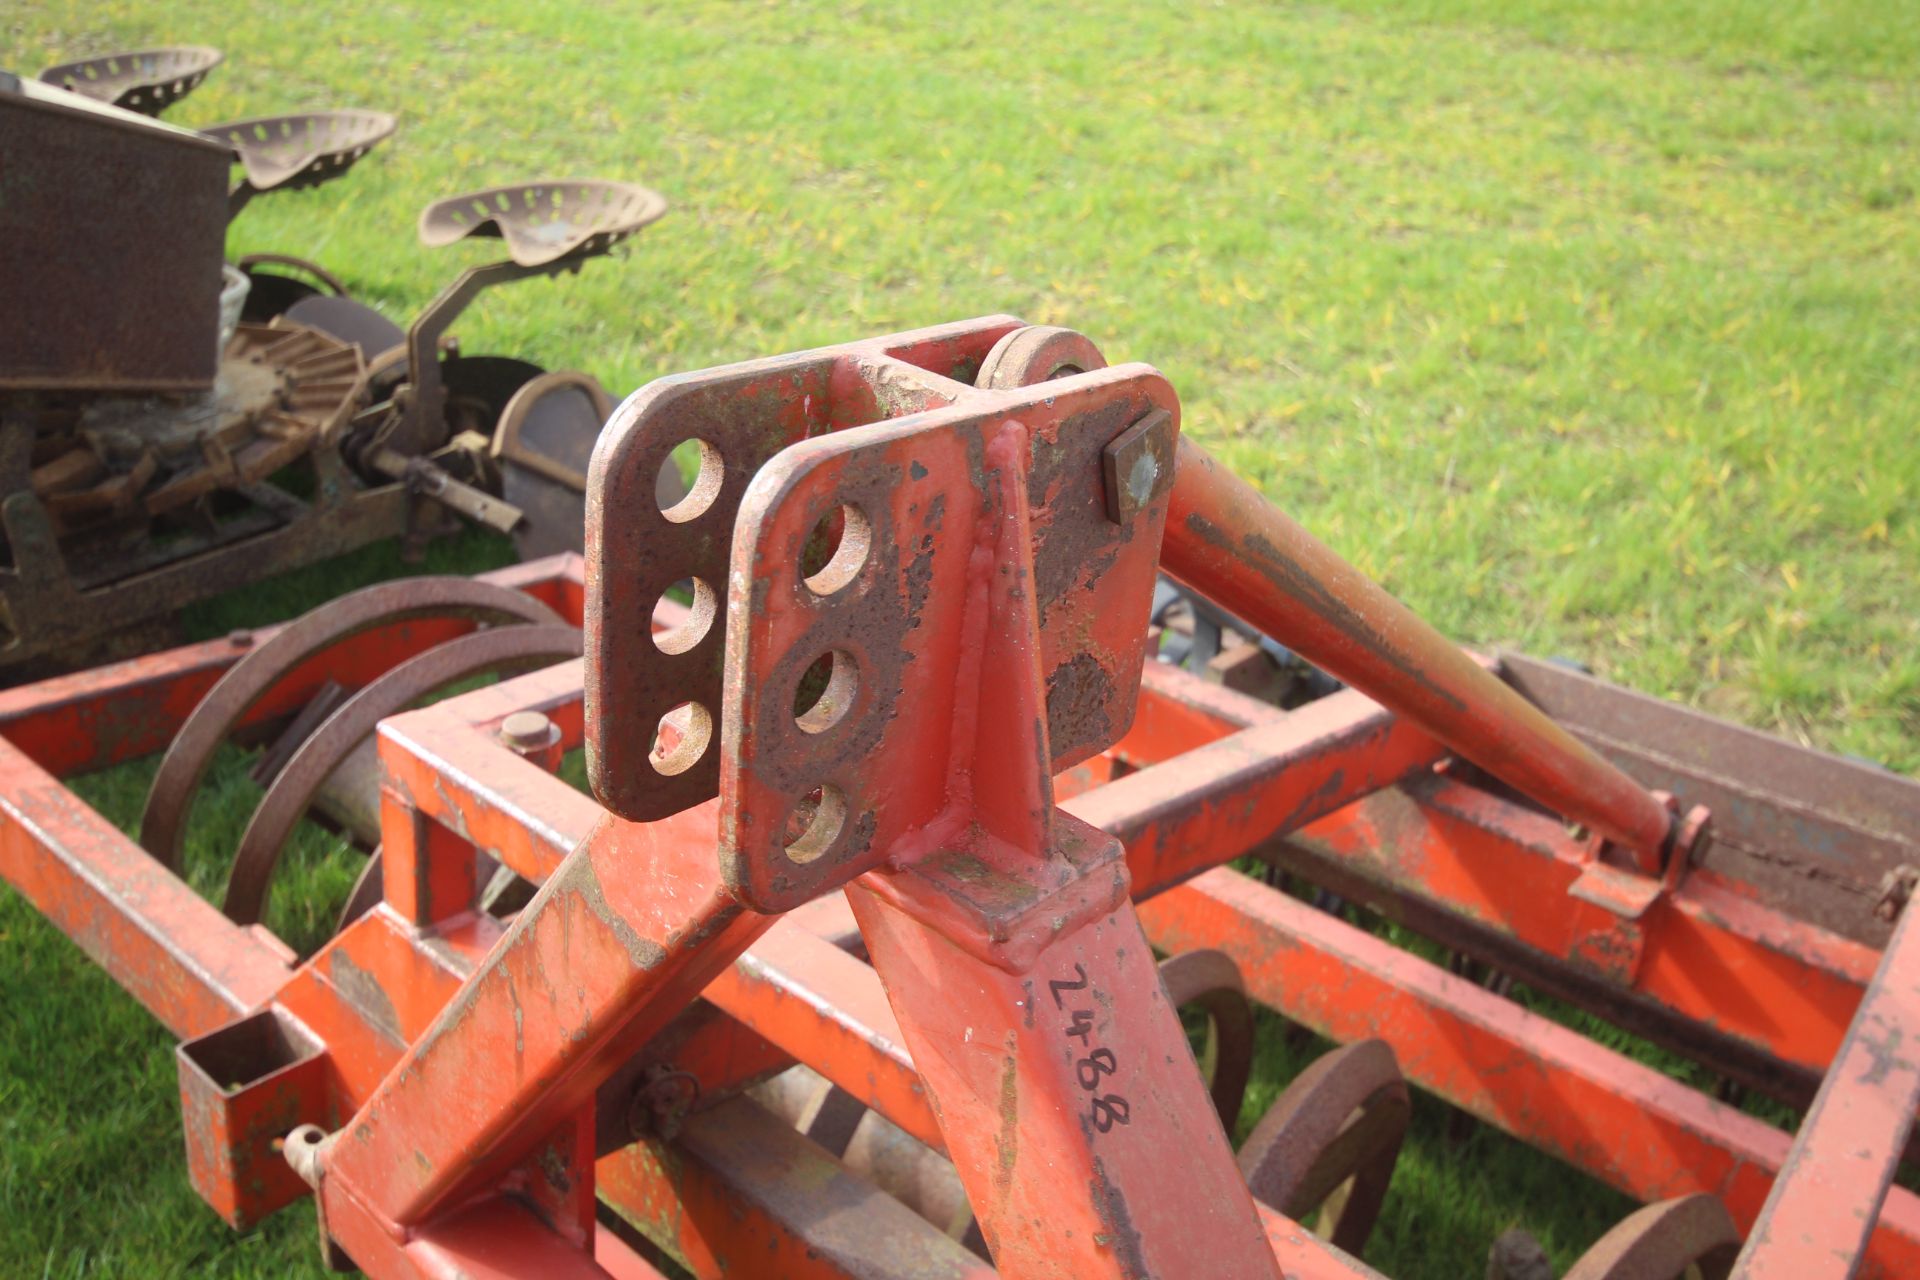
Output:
(526, 730)
(1139, 466)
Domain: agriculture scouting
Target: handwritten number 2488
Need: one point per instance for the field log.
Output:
(1106, 1110)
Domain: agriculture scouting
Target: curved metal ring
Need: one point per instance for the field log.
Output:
(287, 800)
(163, 821)
(1037, 353)
(1662, 1240)
(314, 269)
(505, 446)
(1211, 980)
(1343, 1117)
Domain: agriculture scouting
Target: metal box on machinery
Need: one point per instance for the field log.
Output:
(90, 193)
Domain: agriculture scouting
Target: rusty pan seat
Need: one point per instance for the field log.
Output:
(302, 150)
(545, 221)
(144, 80)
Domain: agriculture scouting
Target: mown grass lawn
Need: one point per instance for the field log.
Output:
(1590, 330)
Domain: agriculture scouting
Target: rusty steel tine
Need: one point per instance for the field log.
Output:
(287, 800)
(368, 888)
(1312, 1140)
(1211, 980)
(163, 822)
(1662, 1240)
(1226, 542)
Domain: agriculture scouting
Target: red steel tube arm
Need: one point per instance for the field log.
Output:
(1227, 542)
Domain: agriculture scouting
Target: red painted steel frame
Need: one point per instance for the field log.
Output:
(1600, 1111)
(457, 1061)
(447, 757)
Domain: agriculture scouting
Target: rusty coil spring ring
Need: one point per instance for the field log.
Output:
(1342, 1118)
(1661, 1241)
(293, 790)
(1212, 981)
(163, 822)
(329, 282)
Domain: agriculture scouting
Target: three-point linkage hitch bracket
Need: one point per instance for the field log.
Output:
(921, 574)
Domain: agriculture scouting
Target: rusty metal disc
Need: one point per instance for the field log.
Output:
(424, 674)
(163, 822)
(1661, 1241)
(1038, 353)
(347, 319)
(1211, 980)
(1342, 1118)
(542, 444)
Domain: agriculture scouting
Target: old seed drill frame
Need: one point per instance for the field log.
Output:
(913, 670)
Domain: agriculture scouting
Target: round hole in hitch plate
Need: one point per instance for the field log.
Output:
(681, 740)
(826, 692)
(814, 823)
(701, 604)
(694, 470)
(836, 550)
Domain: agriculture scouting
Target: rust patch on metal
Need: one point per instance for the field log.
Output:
(1007, 1144)
(1079, 704)
(1121, 1235)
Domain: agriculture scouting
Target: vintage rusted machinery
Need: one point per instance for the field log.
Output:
(886, 784)
(171, 428)
(275, 153)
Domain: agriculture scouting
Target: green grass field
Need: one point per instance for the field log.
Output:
(1589, 330)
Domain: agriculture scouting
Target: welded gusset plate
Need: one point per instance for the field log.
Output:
(737, 418)
(860, 695)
